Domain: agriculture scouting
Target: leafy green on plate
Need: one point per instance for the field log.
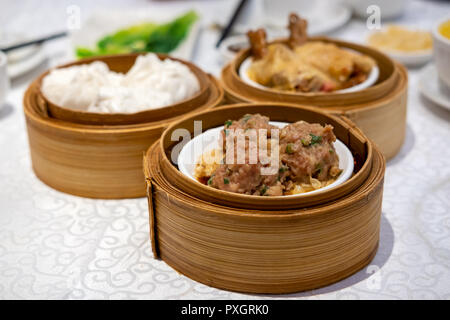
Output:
(144, 37)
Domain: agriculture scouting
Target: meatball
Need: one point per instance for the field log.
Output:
(247, 122)
(304, 151)
(308, 151)
(246, 177)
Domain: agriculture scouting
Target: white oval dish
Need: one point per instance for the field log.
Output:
(208, 140)
(371, 79)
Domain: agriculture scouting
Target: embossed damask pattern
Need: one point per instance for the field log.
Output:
(57, 246)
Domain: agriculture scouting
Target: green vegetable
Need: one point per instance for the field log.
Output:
(283, 169)
(289, 148)
(263, 190)
(315, 139)
(331, 150)
(210, 180)
(228, 123)
(305, 143)
(318, 168)
(145, 37)
(226, 181)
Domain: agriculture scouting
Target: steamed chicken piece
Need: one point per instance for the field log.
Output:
(282, 69)
(329, 58)
(305, 66)
(297, 31)
(307, 150)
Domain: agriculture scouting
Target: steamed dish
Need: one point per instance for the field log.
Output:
(144, 37)
(150, 84)
(298, 158)
(305, 66)
(401, 39)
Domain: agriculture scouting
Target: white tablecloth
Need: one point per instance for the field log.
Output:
(57, 246)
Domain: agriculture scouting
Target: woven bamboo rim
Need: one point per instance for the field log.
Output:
(379, 111)
(122, 63)
(91, 160)
(276, 250)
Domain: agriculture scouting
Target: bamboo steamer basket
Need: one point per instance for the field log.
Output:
(90, 159)
(265, 244)
(379, 111)
(122, 63)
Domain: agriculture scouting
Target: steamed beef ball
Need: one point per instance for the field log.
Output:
(246, 177)
(308, 151)
(247, 122)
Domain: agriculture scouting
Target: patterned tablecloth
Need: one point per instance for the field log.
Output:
(57, 246)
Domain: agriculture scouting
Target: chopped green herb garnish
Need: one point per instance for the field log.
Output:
(246, 117)
(263, 190)
(210, 180)
(305, 143)
(331, 150)
(289, 148)
(315, 139)
(228, 123)
(318, 168)
(283, 169)
(226, 181)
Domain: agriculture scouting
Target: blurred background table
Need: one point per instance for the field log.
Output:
(57, 246)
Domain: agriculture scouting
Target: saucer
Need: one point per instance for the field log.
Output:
(432, 88)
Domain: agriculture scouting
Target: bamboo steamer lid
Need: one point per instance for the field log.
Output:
(260, 245)
(379, 111)
(95, 160)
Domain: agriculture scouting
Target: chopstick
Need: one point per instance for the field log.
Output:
(227, 29)
(36, 41)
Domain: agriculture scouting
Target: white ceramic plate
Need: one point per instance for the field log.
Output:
(104, 22)
(371, 79)
(22, 60)
(22, 66)
(208, 140)
(432, 88)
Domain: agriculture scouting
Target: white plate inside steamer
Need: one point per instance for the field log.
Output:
(371, 79)
(208, 140)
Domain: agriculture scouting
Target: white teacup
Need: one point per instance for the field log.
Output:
(441, 53)
(4, 79)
